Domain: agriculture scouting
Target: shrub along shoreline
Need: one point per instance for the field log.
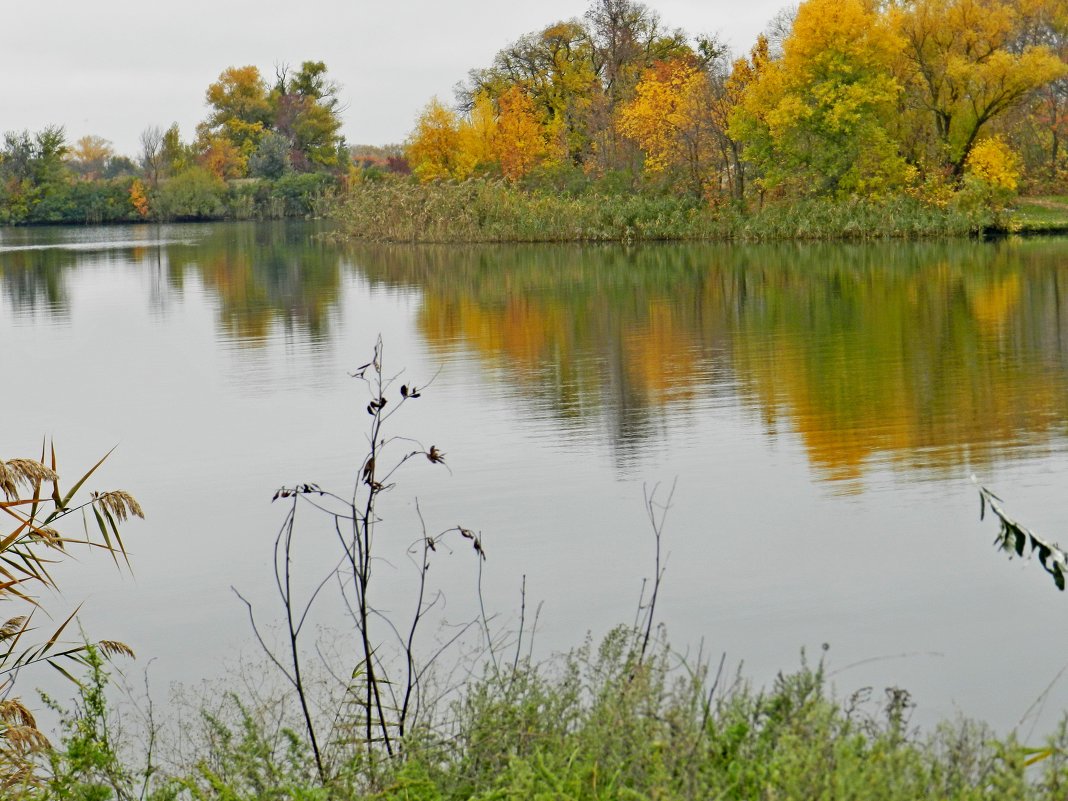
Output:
(494, 211)
(195, 195)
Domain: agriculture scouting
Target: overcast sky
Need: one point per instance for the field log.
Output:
(115, 67)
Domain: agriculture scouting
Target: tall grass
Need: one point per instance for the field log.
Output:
(494, 211)
(35, 535)
(596, 724)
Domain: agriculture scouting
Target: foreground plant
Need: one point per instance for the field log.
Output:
(1015, 539)
(382, 699)
(36, 537)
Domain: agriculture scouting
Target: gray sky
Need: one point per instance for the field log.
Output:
(114, 67)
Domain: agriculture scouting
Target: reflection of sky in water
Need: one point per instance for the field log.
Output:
(823, 479)
(97, 238)
(97, 247)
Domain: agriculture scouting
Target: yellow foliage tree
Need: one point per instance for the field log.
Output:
(90, 155)
(222, 158)
(556, 69)
(963, 64)
(991, 174)
(477, 135)
(433, 148)
(670, 119)
(240, 115)
(819, 117)
(239, 92)
(519, 143)
(138, 199)
(994, 163)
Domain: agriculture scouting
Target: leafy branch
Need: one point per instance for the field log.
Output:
(1014, 538)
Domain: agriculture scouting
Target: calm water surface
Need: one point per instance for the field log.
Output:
(821, 407)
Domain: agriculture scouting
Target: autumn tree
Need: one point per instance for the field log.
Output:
(138, 198)
(302, 108)
(961, 67)
(90, 155)
(729, 86)
(670, 120)
(306, 111)
(680, 117)
(220, 156)
(627, 38)
(433, 148)
(554, 68)
(991, 173)
(818, 118)
(478, 137)
(578, 72)
(240, 113)
(519, 141)
(1038, 127)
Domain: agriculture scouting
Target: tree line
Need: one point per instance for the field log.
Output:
(953, 102)
(942, 99)
(265, 149)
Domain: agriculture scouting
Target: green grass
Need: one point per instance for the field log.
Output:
(598, 724)
(1045, 214)
(493, 211)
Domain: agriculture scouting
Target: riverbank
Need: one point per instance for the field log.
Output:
(1040, 215)
(607, 721)
(493, 211)
(193, 196)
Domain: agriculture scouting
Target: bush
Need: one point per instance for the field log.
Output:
(193, 194)
(991, 176)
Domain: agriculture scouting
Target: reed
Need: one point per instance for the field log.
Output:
(495, 211)
(40, 530)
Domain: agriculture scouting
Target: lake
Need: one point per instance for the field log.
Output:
(821, 408)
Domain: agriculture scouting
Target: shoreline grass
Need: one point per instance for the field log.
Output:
(1039, 215)
(493, 211)
(599, 723)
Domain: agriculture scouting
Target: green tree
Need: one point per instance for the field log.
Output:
(195, 193)
(175, 155)
(818, 118)
(271, 159)
(307, 111)
(32, 169)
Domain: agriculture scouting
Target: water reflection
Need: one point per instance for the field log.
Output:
(34, 281)
(933, 356)
(263, 275)
(930, 357)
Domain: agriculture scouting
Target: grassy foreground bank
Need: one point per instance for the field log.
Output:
(1040, 215)
(494, 211)
(601, 723)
